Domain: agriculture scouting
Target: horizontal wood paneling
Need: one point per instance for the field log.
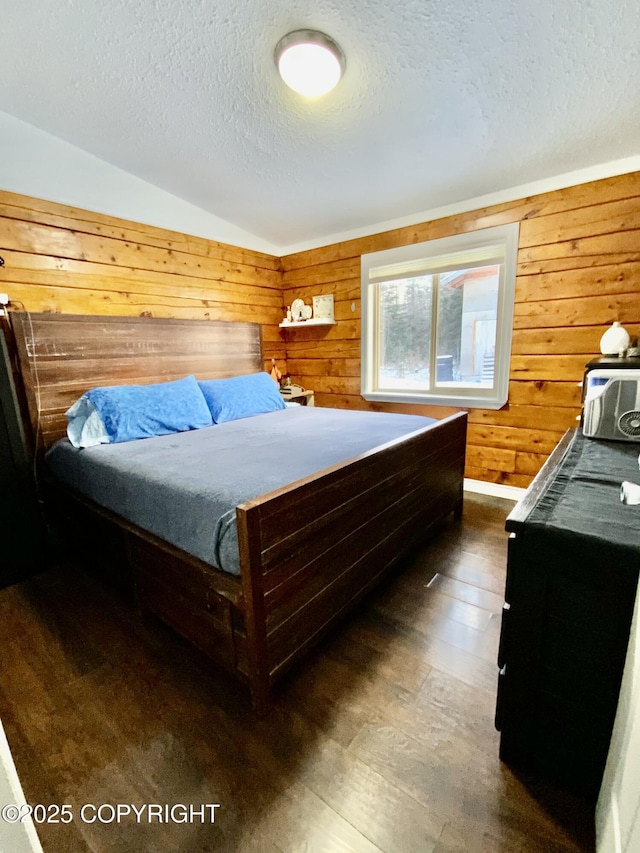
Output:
(519, 438)
(543, 392)
(553, 341)
(585, 311)
(29, 209)
(603, 218)
(575, 283)
(56, 272)
(65, 260)
(578, 271)
(545, 204)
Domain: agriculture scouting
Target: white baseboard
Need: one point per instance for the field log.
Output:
(495, 490)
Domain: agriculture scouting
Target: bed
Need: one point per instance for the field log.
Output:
(308, 548)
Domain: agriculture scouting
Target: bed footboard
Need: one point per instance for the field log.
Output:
(311, 550)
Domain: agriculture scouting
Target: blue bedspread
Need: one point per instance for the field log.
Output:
(185, 487)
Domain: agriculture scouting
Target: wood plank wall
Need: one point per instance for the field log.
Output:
(63, 259)
(578, 271)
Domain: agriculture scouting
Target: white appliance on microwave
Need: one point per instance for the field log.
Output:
(612, 404)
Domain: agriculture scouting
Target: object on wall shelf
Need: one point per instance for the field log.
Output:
(615, 340)
(304, 315)
(300, 311)
(323, 307)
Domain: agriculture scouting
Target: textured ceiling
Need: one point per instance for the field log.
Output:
(443, 100)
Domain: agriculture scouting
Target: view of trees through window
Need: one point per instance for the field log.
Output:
(467, 308)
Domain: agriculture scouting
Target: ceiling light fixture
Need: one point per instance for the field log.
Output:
(310, 62)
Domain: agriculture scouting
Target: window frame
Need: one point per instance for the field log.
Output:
(425, 257)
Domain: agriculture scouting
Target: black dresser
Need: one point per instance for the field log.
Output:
(573, 567)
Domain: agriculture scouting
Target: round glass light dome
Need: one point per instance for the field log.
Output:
(309, 62)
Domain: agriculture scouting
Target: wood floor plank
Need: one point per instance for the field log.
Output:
(467, 592)
(464, 785)
(372, 648)
(379, 810)
(477, 571)
(481, 644)
(421, 607)
(381, 740)
(338, 697)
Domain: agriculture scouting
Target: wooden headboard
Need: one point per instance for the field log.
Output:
(63, 355)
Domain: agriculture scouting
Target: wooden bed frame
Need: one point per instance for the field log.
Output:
(308, 552)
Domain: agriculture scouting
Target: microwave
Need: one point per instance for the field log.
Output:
(612, 404)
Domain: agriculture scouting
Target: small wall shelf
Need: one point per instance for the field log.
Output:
(298, 324)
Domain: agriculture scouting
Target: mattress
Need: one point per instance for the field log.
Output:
(185, 487)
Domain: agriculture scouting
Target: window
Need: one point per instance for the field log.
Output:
(437, 320)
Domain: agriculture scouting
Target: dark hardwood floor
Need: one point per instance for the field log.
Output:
(382, 740)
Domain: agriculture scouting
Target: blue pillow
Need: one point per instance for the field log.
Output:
(141, 411)
(241, 396)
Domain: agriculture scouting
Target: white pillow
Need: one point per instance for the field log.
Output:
(85, 428)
